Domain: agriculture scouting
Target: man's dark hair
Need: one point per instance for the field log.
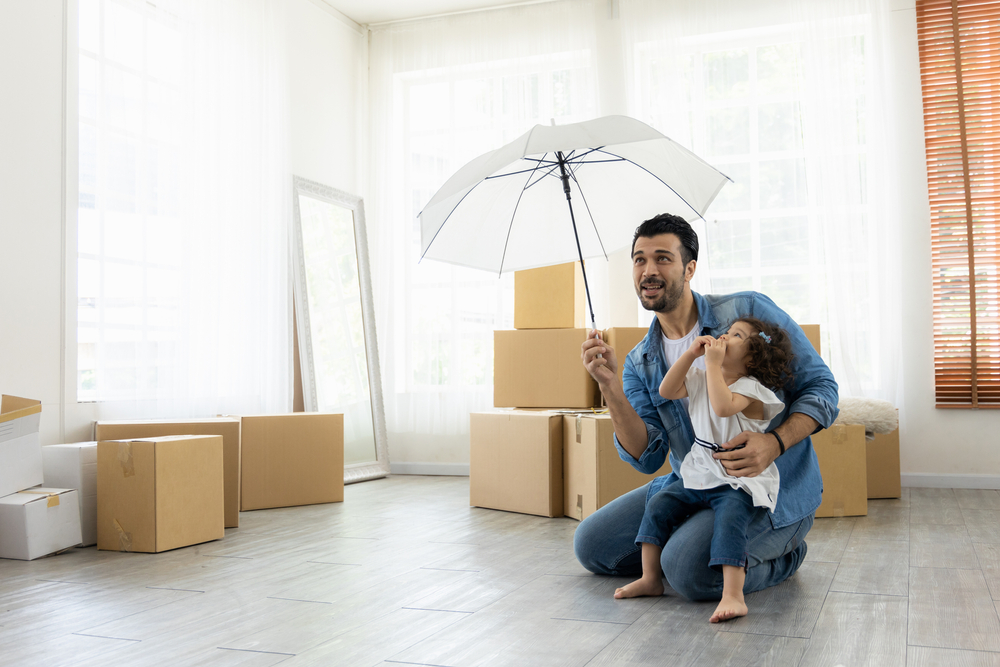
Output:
(667, 223)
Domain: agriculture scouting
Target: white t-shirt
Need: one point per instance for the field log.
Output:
(674, 348)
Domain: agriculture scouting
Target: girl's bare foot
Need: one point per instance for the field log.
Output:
(641, 587)
(729, 607)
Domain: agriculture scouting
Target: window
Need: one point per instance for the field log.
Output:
(446, 336)
(959, 42)
(128, 269)
(743, 114)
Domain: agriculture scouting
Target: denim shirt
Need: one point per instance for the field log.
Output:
(668, 426)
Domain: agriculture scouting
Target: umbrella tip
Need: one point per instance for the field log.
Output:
(552, 122)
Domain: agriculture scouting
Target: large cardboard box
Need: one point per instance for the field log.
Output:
(552, 297)
(622, 340)
(38, 522)
(157, 494)
(74, 466)
(841, 451)
(516, 461)
(593, 473)
(541, 368)
(227, 427)
(883, 466)
(293, 459)
(20, 448)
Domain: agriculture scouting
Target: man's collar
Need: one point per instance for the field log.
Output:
(706, 316)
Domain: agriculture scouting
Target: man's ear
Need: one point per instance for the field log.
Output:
(689, 270)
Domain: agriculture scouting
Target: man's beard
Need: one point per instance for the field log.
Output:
(666, 301)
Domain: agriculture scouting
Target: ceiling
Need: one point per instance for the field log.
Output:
(381, 11)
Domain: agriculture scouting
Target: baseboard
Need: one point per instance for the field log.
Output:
(929, 480)
(454, 469)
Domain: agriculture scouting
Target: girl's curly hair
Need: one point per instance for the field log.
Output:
(769, 362)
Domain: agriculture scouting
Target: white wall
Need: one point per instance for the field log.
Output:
(31, 204)
(933, 442)
(327, 70)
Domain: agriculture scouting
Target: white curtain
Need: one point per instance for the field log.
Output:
(184, 282)
(788, 97)
(442, 92)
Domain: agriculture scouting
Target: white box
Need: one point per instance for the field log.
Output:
(74, 466)
(39, 522)
(20, 448)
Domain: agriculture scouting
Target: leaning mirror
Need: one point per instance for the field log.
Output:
(336, 322)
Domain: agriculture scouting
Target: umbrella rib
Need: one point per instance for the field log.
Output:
(443, 222)
(539, 179)
(697, 212)
(587, 206)
(506, 241)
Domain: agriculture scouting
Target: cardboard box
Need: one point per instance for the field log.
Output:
(812, 333)
(38, 522)
(157, 494)
(622, 340)
(516, 461)
(841, 451)
(541, 368)
(293, 459)
(227, 427)
(883, 466)
(74, 466)
(552, 297)
(20, 448)
(593, 473)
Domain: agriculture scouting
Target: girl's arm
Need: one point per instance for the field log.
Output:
(724, 402)
(672, 386)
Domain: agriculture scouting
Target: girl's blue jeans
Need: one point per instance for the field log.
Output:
(605, 544)
(668, 508)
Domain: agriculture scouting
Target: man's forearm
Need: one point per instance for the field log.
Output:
(629, 427)
(796, 428)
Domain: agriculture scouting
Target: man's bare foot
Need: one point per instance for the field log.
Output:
(729, 607)
(641, 588)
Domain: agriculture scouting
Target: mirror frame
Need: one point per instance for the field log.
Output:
(354, 472)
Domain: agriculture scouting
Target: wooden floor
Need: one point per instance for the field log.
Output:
(404, 572)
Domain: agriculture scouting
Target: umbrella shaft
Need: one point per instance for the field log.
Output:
(565, 180)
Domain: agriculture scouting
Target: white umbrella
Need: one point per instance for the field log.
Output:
(505, 210)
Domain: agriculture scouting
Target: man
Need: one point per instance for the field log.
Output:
(664, 258)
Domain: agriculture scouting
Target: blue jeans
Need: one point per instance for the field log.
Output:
(668, 508)
(605, 544)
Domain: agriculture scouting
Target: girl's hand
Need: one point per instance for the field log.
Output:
(715, 352)
(698, 346)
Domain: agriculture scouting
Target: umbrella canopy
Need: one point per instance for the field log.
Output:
(506, 210)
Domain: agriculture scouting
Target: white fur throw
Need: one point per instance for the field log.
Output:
(875, 415)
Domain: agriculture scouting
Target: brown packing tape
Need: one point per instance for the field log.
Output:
(125, 459)
(124, 539)
(579, 428)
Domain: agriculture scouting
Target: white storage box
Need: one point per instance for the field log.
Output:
(39, 522)
(74, 466)
(20, 448)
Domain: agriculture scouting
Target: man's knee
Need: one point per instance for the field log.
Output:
(586, 545)
(685, 560)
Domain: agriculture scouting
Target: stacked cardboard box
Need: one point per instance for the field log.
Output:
(854, 469)
(34, 521)
(74, 466)
(548, 462)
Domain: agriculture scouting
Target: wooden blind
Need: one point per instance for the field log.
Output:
(959, 43)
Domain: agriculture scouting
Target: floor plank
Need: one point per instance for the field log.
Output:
(952, 609)
(922, 656)
(862, 630)
(874, 567)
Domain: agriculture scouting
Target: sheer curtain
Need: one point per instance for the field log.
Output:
(183, 275)
(442, 92)
(787, 98)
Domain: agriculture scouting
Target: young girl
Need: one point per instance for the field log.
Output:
(730, 396)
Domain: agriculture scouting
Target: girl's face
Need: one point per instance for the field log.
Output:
(736, 347)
